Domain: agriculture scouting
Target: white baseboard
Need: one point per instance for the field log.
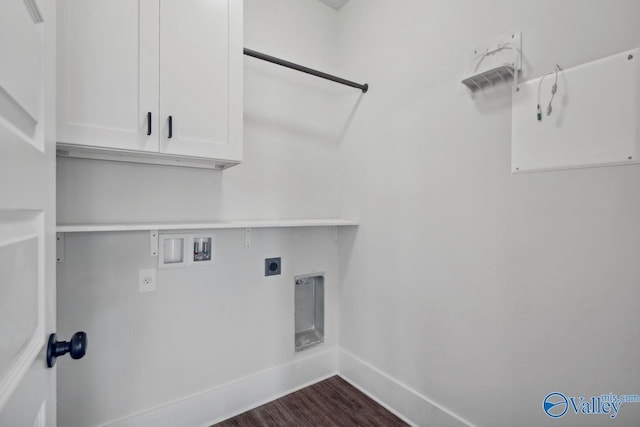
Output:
(409, 405)
(225, 401)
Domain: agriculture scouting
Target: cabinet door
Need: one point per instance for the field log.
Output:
(201, 78)
(108, 73)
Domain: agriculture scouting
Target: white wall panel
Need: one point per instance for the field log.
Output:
(21, 78)
(21, 41)
(593, 122)
(203, 327)
(21, 296)
(482, 290)
(18, 299)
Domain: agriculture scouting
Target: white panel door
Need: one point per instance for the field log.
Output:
(108, 73)
(201, 78)
(27, 211)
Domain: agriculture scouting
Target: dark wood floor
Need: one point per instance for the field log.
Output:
(332, 402)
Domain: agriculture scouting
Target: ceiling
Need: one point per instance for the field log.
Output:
(336, 4)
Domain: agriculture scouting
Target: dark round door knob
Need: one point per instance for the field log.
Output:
(76, 348)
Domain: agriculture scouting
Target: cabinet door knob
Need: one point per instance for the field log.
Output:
(76, 348)
(148, 123)
(170, 127)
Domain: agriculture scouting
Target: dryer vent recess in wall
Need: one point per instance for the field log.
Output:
(495, 63)
(309, 310)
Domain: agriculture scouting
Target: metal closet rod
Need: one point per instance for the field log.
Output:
(278, 61)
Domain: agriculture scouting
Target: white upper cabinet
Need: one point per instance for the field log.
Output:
(151, 81)
(200, 77)
(108, 73)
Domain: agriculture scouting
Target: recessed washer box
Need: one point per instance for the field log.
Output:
(202, 249)
(185, 250)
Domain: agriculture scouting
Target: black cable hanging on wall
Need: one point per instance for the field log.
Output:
(363, 87)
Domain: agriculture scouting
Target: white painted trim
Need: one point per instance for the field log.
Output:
(233, 398)
(405, 402)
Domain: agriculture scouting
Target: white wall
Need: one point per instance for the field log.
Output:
(289, 168)
(478, 290)
(481, 290)
(210, 325)
(202, 328)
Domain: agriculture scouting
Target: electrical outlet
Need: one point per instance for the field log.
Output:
(272, 266)
(147, 280)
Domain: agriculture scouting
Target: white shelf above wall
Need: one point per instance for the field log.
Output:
(214, 225)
